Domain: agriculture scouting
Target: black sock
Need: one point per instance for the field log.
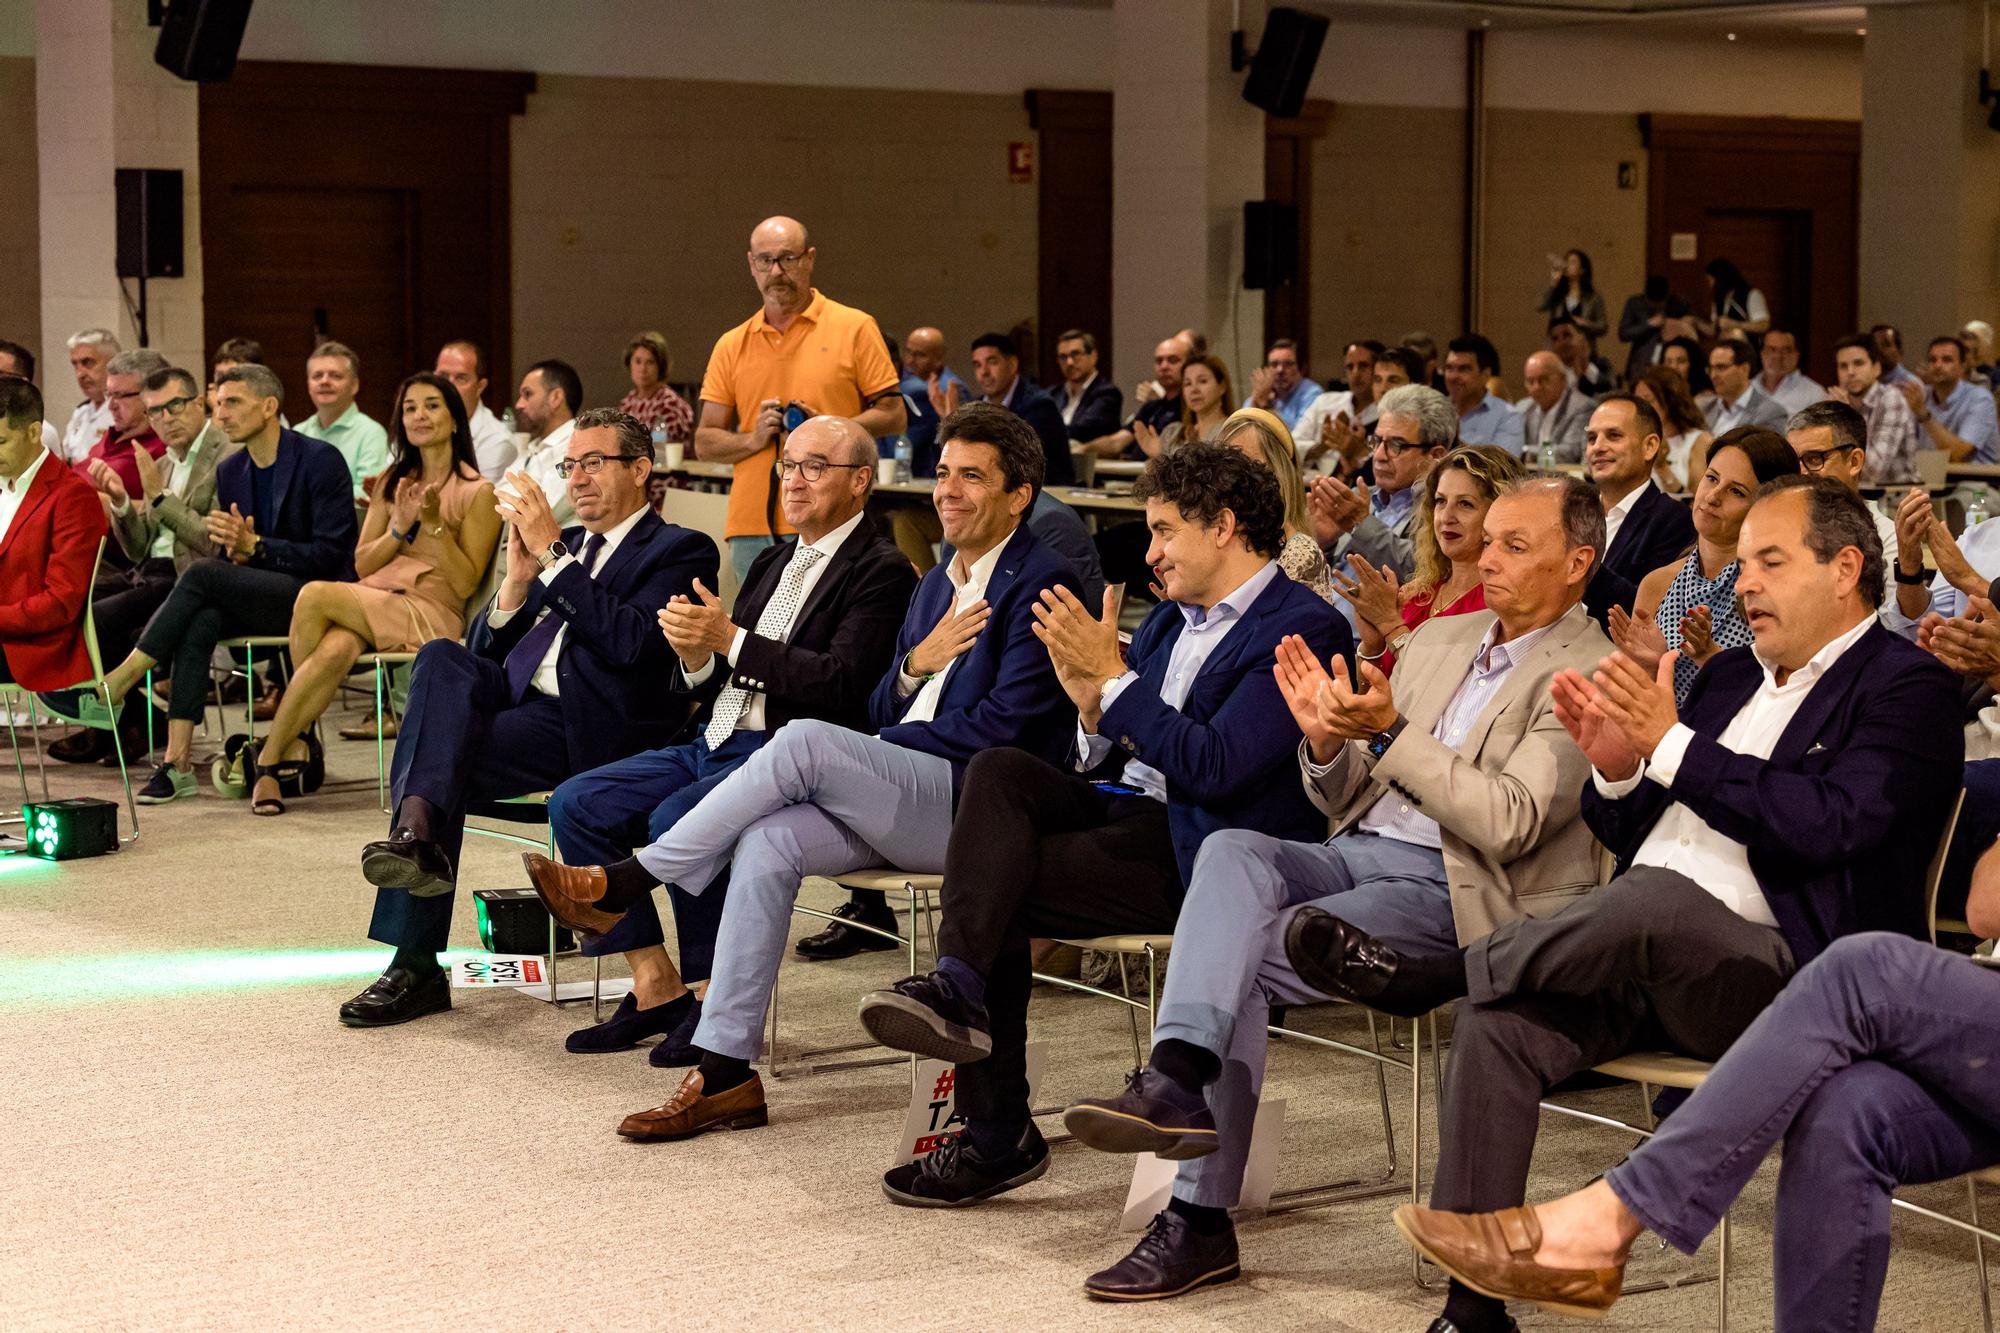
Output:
(1473, 1313)
(871, 902)
(1201, 1219)
(625, 883)
(720, 1073)
(676, 1008)
(1188, 1065)
(994, 1139)
(419, 816)
(420, 962)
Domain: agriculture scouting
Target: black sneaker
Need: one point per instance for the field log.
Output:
(1154, 1114)
(954, 1175)
(927, 1015)
(167, 784)
(1171, 1259)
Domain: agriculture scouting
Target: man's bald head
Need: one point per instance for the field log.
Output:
(844, 456)
(1545, 379)
(781, 262)
(923, 352)
(837, 439)
(779, 233)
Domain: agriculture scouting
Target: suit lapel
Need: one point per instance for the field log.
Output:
(286, 466)
(1574, 623)
(638, 539)
(41, 492)
(1826, 694)
(1012, 558)
(836, 569)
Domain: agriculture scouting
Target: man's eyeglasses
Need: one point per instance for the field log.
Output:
(1392, 446)
(121, 397)
(592, 464)
(813, 468)
(170, 407)
(1817, 460)
(765, 263)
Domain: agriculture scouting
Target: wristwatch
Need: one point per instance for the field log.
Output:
(555, 552)
(1379, 743)
(1915, 580)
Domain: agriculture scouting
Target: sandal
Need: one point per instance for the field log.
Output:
(266, 805)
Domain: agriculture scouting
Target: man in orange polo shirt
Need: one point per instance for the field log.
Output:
(801, 348)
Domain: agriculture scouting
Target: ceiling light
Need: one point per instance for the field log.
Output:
(1732, 36)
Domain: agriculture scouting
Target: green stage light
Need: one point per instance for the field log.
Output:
(67, 829)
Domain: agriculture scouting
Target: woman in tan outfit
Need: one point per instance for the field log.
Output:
(429, 535)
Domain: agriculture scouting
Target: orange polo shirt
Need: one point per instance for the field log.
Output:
(832, 359)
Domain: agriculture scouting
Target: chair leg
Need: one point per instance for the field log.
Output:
(554, 996)
(14, 739)
(1722, 1275)
(1131, 1013)
(118, 748)
(597, 990)
(35, 730)
(1382, 1089)
(1979, 1257)
(151, 743)
(1417, 1126)
(1152, 993)
(381, 767)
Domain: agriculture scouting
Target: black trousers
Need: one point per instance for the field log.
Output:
(215, 600)
(126, 600)
(1650, 961)
(1038, 852)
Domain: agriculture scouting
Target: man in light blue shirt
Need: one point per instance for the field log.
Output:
(1279, 386)
(1483, 417)
(1953, 414)
(333, 377)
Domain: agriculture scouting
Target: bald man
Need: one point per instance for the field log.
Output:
(801, 349)
(814, 629)
(927, 380)
(1554, 413)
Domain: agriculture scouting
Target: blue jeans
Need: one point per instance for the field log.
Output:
(601, 816)
(1879, 1065)
(1229, 965)
(743, 552)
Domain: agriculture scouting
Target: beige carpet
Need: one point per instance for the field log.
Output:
(191, 1140)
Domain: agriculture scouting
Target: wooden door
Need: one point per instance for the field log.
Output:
(1773, 247)
(1288, 179)
(1073, 278)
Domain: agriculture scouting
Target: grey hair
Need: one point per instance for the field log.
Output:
(104, 338)
(140, 361)
(1436, 418)
(1849, 429)
(1837, 518)
(260, 380)
(1582, 511)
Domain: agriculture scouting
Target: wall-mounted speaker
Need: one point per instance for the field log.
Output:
(149, 224)
(1282, 69)
(198, 38)
(1270, 244)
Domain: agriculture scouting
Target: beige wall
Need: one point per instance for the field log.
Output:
(20, 215)
(634, 200)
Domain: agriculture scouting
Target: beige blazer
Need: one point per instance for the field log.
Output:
(1508, 804)
(140, 524)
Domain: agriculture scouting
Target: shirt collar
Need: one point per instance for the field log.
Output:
(833, 541)
(1235, 602)
(810, 315)
(1818, 664)
(344, 420)
(20, 484)
(1506, 656)
(557, 439)
(1007, 399)
(1931, 393)
(199, 440)
(617, 534)
(982, 569)
(1624, 507)
(1078, 395)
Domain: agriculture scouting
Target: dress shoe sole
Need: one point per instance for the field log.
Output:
(143, 799)
(1107, 1130)
(564, 910)
(754, 1117)
(386, 870)
(1452, 1270)
(1215, 1277)
(1032, 1174)
(860, 943)
(362, 1021)
(902, 1024)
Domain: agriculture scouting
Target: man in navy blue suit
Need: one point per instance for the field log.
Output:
(1645, 527)
(996, 367)
(1798, 802)
(560, 675)
(820, 799)
(1195, 713)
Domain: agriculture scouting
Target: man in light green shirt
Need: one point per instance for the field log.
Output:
(333, 377)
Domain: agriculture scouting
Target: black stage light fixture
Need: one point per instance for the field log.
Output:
(514, 921)
(67, 829)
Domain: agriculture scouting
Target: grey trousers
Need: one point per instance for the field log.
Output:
(1649, 961)
(817, 800)
(1229, 964)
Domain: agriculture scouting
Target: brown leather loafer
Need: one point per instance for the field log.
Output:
(570, 893)
(688, 1113)
(1494, 1254)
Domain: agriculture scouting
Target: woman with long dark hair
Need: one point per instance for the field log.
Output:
(1735, 307)
(430, 534)
(1571, 292)
(1685, 458)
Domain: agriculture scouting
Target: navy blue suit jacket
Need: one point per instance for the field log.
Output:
(1097, 413)
(313, 497)
(615, 663)
(1843, 818)
(1658, 530)
(1002, 690)
(1035, 407)
(1230, 752)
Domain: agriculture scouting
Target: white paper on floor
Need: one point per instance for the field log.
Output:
(501, 969)
(1153, 1177)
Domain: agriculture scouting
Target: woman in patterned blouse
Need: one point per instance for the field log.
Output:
(1691, 604)
(647, 362)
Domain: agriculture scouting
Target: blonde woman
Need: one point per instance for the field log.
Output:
(1262, 437)
(1448, 536)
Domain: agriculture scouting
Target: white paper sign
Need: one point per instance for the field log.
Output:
(933, 1115)
(1153, 1177)
(501, 969)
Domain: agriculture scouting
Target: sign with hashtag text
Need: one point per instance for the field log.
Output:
(933, 1116)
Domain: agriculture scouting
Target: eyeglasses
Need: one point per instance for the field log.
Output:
(592, 464)
(1076, 355)
(765, 263)
(1395, 448)
(121, 397)
(813, 468)
(171, 406)
(1817, 460)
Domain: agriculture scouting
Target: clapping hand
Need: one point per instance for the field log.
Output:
(944, 395)
(1260, 386)
(1698, 634)
(1913, 394)
(1147, 438)
(1951, 561)
(1968, 644)
(1376, 595)
(1577, 707)
(697, 628)
(1913, 519)
(1336, 508)
(1083, 648)
(1639, 703)
(107, 481)
(150, 482)
(1638, 637)
(524, 508)
(234, 534)
(1359, 711)
(1300, 678)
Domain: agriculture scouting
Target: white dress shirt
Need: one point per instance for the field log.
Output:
(545, 678)
(86, 427)
(1614, 517)
(971, 586)
(15, 491)
(753, 712)
(1068, 403)
(540, 459)
(1681, 841)
(1729, 415)
(180, 467)
(1203, 633)
(492, 443)
(1795, 392)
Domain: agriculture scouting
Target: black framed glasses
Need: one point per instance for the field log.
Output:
(592, 464)
(171, 406)
(812, 468)
(1394, 447)
(1816, 460)
(765, 263)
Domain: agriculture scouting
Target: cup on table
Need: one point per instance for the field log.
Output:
(676, 455)
(885, 471)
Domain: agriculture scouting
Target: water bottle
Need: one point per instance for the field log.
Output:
(903, 456)
(1548, 455)
(1976, 512)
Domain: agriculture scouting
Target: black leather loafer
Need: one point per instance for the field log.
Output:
(397, 996)
(405, 861)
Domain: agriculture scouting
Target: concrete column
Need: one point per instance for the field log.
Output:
(1187, 151)
(1930, 174)
(100, 104)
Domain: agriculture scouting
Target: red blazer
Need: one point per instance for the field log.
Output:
(45, 566)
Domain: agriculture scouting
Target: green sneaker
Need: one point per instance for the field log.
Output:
(167, 784)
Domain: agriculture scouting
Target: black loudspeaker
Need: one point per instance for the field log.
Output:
(1283, 66)
(149, 224)
(198, 38)
(1270, 244)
